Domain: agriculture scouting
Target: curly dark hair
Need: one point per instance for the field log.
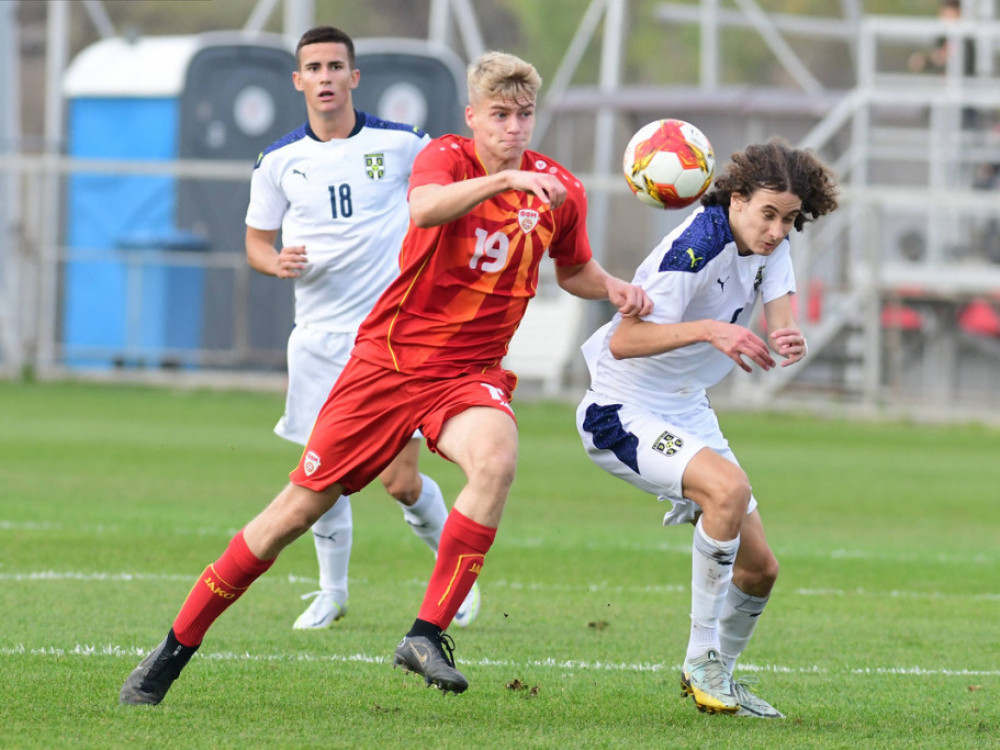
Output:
(777, 166)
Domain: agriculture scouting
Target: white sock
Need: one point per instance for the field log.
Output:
(332, 535)
(711, 572)
(427, 516)
(739, 617)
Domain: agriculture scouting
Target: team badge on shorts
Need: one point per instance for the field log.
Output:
(668, 444)
(310, 463)
(526, 219)
(375, 166)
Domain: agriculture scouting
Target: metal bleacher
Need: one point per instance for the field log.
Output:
(910, 301)
(899, 290)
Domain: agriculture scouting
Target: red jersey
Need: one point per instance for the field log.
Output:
(464, 286)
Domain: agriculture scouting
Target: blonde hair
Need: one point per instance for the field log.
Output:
(499, 75)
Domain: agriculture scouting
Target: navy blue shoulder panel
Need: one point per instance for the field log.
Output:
(296, 135)
(704, 239)
(371, 121)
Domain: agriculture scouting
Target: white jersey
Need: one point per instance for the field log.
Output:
(694, 273)
(345, 201)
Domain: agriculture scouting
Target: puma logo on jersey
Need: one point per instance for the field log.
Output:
(300, 173)
(722, 283)
(694, 258)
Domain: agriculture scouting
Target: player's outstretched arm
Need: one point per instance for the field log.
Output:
(737, 342)
(433, 205)
(590, 281)
(641, 338)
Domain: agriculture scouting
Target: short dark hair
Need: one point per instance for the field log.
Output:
(323, 35)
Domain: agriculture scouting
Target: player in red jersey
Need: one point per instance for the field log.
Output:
(483, 212)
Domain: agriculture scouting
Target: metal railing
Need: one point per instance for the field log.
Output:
(36, 277)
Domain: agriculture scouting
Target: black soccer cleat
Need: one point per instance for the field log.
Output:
(426, 656)
(150, 681)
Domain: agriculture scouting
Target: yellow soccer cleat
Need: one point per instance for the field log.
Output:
(706, 680)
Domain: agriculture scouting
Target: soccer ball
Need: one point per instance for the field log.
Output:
(668, 164)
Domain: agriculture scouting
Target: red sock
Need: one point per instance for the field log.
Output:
(222, 583)
(463, 546)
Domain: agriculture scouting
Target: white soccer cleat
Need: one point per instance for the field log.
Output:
(322, 613)
(753, 705)
(469, 610)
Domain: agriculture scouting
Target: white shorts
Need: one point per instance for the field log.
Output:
(649, 451)
(315, 360)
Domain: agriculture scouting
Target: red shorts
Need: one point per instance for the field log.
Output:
(371, 415)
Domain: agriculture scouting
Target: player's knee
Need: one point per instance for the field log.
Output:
(297, 509)
(298, 521)
(720, 487)
(770, 574)
(403, 487)
(495, 468)
(731, 495)
(758, 579)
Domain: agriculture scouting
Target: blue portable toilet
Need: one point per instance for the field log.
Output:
(219, 95)
(132, 100)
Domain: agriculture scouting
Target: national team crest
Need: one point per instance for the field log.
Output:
(668, 443)
(375, 166)
(526, 219)
(310, 463)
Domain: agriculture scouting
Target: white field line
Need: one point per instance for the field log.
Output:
(69, 575)
(592, 588)
(102, 529)
(561, 665)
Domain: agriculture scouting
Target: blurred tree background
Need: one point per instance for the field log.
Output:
(656, 53)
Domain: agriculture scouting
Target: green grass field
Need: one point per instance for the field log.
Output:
(882, 632)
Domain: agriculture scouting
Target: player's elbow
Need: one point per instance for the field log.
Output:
(619, 348)
(421, 220)
(622, 343)
(422, 214)
(424, 211)
(253, 261)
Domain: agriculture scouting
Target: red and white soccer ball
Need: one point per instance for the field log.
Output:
(669, 164)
